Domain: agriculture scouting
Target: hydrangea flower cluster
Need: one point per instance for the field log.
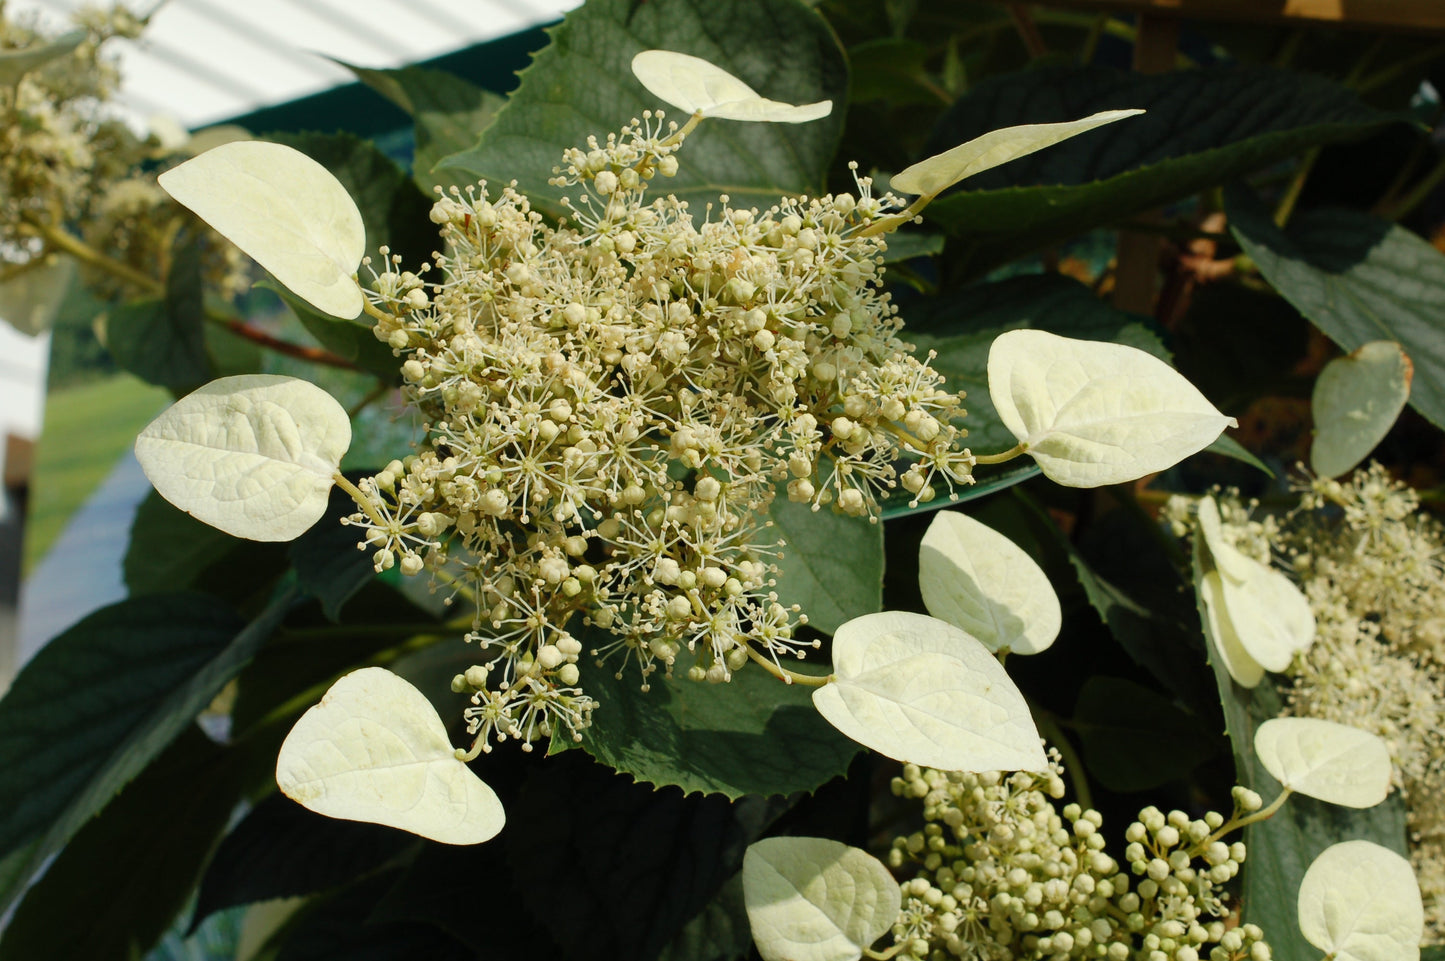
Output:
(69, 162)
(1004, 874)
(612, 405)
(1371, 565)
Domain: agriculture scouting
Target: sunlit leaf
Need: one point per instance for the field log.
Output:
(1223, 639)
(941, 171)
(283, 209)
(1333, 762)
(253, 455)
(697, 86)
(1357, 399)
(918, 689)
(375, 750)
(1360, 902)
(814, 899)
(1093, 413)
(977, 579)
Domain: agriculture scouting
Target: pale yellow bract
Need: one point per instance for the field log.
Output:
(1093, 413)
(283, 209)
(1356, 401)
(697, 86)
(976, 579)
(814, 899)
(920, 690)
(375, 750)
(1332, 762)
(1360, 902)
(253, 455)
(936, 174)
(1223, 638)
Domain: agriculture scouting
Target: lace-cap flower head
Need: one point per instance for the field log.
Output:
(692, 84)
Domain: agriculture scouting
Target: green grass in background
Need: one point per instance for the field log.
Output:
(87, 429)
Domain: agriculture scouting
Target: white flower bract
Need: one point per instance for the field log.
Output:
(1333, 762)
(374, 749)
(697, 86)
(1359, 902)
(1356, 400)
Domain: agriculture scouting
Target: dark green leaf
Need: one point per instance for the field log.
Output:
(1114, 716)
(1358, 279)
(752, 735)
(349, 339)
(986, 482)
(328, 565)
(450, 114)
(719, 932)
(282, 850)
(1203, 128)
(342, 928)
(1229, 447)
(893, 69)
(632, 865)
(1433, 953)
(1282, 848)
(582, 85)
(961, 328)
(162, 341)
(100, 701)
(832, 566)
(171, 551)
(132, 869)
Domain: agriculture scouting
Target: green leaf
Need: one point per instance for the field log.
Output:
(1195, 135)
(171, 551)
(752, 735)
(282, 850)
(100, 701)
(719, 932)
(1357, 278)
(582, 85)
(162, 341)
(328, 565)
(1282, 848)
(131, 870)
(1227, 446)
(342, 927)
(450, 114)
(832, 565)
(961, 328)
(1114, 715)
(633, 864)
(348, 339)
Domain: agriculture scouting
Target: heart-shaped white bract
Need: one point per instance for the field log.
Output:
(697, 86)
(1268, 616)
(1361, 902)
(936, 174)
(1333, 762)
(375, 750)
(1093, 413)
(976, 579)
(283, 209)
(813, 899)
(1356, 401)
(920, 690)
(253, 455)
(1223, 638)
(15, 64)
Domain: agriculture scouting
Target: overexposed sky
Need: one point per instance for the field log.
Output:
(202, 61)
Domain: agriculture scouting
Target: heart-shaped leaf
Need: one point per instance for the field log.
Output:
(697, 86)
(1357, 399)
(1360, 902)
(937, 173)
(1093, 413)
(814, 899)
(1333, 762)
(283, 209)
(918, 689)
(976, 579)
(252, 455)
(1270, 615)
(375, 750)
